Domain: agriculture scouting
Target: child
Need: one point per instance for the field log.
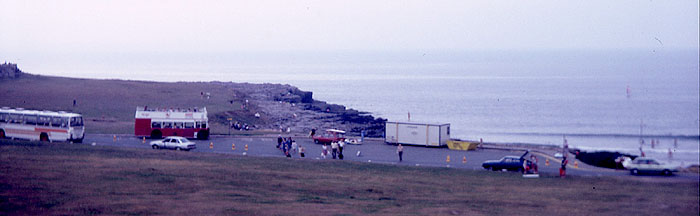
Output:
(301, 151)
(325, 151)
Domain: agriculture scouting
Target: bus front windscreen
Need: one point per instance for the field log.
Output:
(76, 121)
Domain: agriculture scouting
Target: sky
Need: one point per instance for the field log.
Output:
(205, 26)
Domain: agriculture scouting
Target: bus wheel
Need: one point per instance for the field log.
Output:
(44, 137)
(156, 134)
(202, 135)
(2, 134)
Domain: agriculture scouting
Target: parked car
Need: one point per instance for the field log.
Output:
(331, 135)
(174, 142)
(645, 165)
(510, 163)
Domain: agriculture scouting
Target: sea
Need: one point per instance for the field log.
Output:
(611, 100)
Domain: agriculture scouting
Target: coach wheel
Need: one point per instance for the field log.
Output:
(202, 135)
(2, 134)
(156, 134)
(44, 137)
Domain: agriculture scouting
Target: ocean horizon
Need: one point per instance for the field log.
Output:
(597, 100)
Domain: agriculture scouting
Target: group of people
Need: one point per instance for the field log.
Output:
(239, 126)
(288, 146)
(336, 150)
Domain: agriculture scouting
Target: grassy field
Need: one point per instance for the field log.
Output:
(109, 105)
(82, 179)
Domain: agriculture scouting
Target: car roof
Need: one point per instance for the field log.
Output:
(175, 137)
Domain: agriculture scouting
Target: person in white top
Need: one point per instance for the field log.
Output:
(334, 149)
(341, 145)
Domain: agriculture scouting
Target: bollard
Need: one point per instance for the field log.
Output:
(233, 146)
(211, 145)
(144, 140)
(114, 138)
(546, 162)
(448, 159)
(246, 147)
(576, 164)
(464, 159)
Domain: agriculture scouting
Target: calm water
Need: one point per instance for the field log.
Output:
(598, 100)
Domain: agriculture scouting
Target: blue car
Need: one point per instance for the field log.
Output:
(510, 163)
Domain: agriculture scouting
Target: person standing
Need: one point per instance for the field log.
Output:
(324, 152)
(399, 150)
(341, 145)
(301, 151)
(334, 149)
(279, 141)
(562, 170)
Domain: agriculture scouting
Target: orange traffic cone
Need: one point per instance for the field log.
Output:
(576, 164)
(448, 159)
(233, 146)
(144, 140)
(464, 159)
(546, 162)
(211, 145)
(246, 147)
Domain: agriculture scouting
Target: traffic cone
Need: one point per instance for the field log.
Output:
(114, 138)
(576, 164)
(233, 146)
(448, 159)
(546, 162)
(246, 147)
(464, 159)
(144, 140)
(211, 145)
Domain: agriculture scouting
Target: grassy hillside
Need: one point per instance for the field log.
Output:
(82, 179)
(109, 105)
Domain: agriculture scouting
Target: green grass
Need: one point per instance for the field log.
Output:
(109, 106)
(39, 178)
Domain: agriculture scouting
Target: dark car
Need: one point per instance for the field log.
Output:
(510, 163)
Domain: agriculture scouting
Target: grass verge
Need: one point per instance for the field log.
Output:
(43, 178)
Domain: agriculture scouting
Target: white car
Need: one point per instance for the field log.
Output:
(174, 142)
(644, 165)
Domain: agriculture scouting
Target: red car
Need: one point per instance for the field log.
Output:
(331, 135)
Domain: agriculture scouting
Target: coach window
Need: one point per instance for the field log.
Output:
(76, 121)
(4, 117)
(155, 124)
(178, 125)
(15, 118)
(44, 121)
(167, 125)
(189, 124)
(30, 119)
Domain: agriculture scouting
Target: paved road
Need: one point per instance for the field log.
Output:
(375, 151)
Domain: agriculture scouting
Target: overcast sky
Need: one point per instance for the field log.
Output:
(230, 26)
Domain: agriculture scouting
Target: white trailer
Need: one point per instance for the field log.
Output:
(416, 133)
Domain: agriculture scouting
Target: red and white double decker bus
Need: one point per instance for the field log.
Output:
(161, 122)
(41, 125)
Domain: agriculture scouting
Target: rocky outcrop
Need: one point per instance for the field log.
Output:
(9, 71)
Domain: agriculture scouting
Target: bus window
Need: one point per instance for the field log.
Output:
(57, 122)
(202, 124)
(178, 125)
(189, 124)
(44, 121)
(15, 118)
(76, 121)
(167, 125)
(155, 124)
(30, 119)
(4, 117)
